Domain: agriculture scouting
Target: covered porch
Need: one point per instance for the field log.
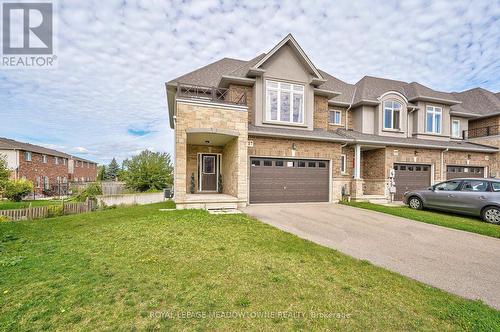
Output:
(370, 173)
(212, 174)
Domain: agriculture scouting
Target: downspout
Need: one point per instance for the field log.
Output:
(408, 123)
(442, 164)
(347, 110)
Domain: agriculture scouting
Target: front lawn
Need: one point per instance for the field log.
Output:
(464, 223)
(139, 268)
(8, 205)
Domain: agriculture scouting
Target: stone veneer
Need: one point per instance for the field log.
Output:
(192, 115)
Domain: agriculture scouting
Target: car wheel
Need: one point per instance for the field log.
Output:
(415, 203)
(491, 215)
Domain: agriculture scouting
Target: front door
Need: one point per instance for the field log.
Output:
(209, 171)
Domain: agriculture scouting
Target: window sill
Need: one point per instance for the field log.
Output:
(335, 124)
(397, 131)
(286, 124)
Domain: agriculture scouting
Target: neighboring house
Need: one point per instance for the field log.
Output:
(48, 169)
(278, 129)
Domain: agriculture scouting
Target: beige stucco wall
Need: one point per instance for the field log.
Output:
(284, 66)
(419, 122)
(192, 115)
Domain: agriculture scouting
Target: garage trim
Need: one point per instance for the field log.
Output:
(330, 172)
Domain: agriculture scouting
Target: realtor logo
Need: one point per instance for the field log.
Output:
(27, 29)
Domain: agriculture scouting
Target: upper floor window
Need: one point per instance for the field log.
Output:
(392, 115)
(335, 117)
(433, 119)
(64, 161)
(44, 158)
(27, 156)
(56, 160)
(284, 102)
(455, 129)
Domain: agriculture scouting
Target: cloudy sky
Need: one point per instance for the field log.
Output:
(107, 97)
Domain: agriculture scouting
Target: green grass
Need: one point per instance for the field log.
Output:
(139, 268)
(8, 205)
(469, 224)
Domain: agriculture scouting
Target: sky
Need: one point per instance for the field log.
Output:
(107, 96)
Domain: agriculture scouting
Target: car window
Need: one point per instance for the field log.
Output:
(495, 186)
(475, 185)
(448, 185)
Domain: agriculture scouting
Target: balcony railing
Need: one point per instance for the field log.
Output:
(482, 132)
(213, 94)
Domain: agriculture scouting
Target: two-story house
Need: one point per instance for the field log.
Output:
(278, 129)
(49, 170)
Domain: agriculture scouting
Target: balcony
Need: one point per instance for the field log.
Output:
(482, 132)
(233, 96)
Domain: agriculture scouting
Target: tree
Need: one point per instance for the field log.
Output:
(15, 190)
(4, 173)
(112, 170)
(148, 171)
(101, 173)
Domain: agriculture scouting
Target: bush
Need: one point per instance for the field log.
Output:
(15, 190)
(4, 218)
(54, 211)
(90, 192)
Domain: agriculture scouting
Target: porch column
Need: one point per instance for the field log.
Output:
(357, 162)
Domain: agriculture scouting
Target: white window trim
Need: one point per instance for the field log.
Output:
(56, 160)
(278, 110)
(459, 129)
(434, 110)
(343, 164)
(334, 117)
(44, 158)
(392, 109)
(27, 156)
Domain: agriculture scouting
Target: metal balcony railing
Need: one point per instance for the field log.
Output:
(482, 132)
(212, 94)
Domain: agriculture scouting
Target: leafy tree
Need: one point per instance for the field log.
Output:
(112, 170)
(101, 172)
(4, 173)
(15, 190)
(91, 191)
(148, 171)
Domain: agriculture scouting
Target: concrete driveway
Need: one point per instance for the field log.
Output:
(459, 262)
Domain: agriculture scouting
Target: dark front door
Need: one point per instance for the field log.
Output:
(209, 172)
(410, 177)
(289, 181)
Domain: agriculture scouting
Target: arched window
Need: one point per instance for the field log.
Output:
(392, 115)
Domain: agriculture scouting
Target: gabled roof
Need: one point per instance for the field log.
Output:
(10, 144)
(479, 101)
(289, 40)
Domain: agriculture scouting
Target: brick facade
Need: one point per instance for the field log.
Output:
(36, 170)
(236, 90)
(485, 122)
(84, 171)
(322, 115)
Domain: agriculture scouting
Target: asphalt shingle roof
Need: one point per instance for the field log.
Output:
(479, 101)
(10, 144)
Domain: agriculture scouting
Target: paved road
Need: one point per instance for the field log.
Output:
(459, 262)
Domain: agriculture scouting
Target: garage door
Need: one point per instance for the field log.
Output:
(288, 181)
(453, 172)
(411, 177)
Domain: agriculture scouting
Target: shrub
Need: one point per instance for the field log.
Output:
(4, 218)
(54, 211)
(15, 190)
(90, 192)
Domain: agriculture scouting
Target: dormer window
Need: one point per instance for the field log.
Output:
(433, 119)
(392, 115)
(284, 102)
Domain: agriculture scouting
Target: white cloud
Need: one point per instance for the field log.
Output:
(115, 57)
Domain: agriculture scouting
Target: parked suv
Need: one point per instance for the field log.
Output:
(478, 197)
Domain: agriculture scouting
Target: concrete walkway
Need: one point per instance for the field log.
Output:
(459, 262)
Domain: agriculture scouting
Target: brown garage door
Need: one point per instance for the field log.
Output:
(411, 177)
(288, 181)
(453, 172)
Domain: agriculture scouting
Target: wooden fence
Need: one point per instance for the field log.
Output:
(46, 211)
